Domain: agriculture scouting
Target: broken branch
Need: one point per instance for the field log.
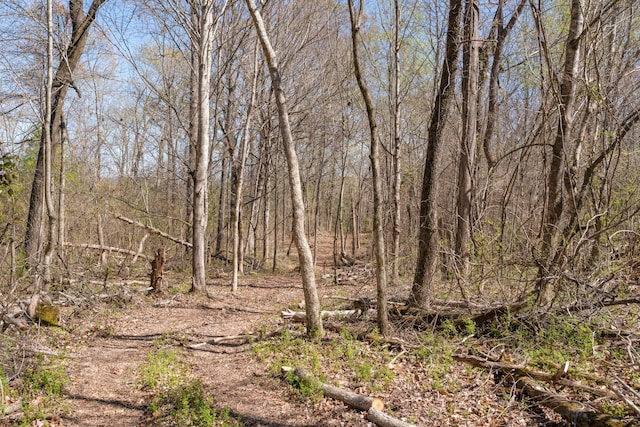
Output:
(154, 231)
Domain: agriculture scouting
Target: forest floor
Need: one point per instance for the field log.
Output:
(107, 344)
(107, 348)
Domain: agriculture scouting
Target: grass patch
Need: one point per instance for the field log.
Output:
(40, 388)
(178, 398)
(359, 362)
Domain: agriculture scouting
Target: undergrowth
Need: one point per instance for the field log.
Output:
(363, 363)
(178, 399)
(35, 382)
(40, 389)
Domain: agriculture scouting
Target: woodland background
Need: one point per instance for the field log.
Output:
(476, 154)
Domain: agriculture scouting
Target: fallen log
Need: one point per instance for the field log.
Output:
(577, 413)
(354, 400)
(383, 420)
(522, 371)
(371, 405)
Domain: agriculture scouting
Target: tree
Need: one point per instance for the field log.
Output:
(48, 160)
(428, 234)
(238, 177)
(203, 31)
(374, 156)
(312, 303)
(62, 79)
(467, 161)
(564, 135)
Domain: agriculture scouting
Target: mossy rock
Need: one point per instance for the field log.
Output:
(48, 315)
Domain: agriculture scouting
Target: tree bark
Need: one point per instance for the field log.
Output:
(238, 167)
(554, 199)
(428, 246)
(157, 271)
(314, 322)
(467, 161)
(374, 156)
(48, 160)
(205, 30)
(397, 174)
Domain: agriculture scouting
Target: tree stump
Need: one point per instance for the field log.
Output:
(157, 272)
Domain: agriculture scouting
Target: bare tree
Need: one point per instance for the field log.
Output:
(205, 22)
(239, 166)
(428, 234)
(62, 79)
(374, 156)
(48, 154)
(314, 322)
(467, 161)
(564, 135)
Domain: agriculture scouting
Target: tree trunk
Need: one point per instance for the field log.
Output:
(64, 138)
(492, 108)
(314, 322)
(428, 245)
(61, 81)
(205, 33)
(554, 200)
(467, 161)
(397, 175)
(238, 180)
(48, 159)
(157, 271)
(374, 156)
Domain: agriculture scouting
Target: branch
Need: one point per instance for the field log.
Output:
(154, 231)
(105, 248)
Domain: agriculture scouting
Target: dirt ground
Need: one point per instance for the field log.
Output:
(113, 343)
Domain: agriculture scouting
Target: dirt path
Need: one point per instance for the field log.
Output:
(110, 346)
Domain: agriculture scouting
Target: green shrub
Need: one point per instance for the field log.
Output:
(178, 399)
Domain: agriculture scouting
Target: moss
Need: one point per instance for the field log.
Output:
(48, 315)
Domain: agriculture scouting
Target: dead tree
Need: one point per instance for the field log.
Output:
(157, 271)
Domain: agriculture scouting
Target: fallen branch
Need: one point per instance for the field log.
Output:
(522, 371)
(576, 413)
(525, 381)
(105, 248)
(301, 316)
(218, 340)
(154, 231)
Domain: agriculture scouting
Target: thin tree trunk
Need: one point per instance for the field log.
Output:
(492, 108)
(428, 246)
(48, 160)
(397, 175)
(374, 156)
(64, 138)
(467, 161)
(276, 200)
(554, 205)
(206, 29)
(239, 178)
(314, 322)
(103, 253)
(316, 213)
